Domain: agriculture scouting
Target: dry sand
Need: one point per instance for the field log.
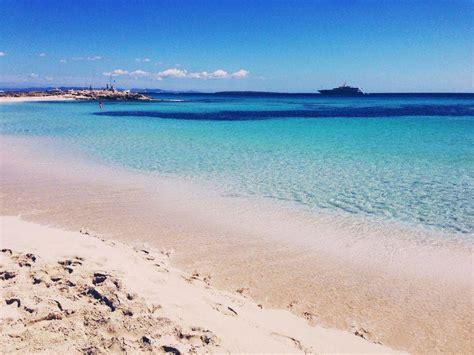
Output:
(74, 292)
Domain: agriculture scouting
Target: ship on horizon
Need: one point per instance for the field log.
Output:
(343, 90)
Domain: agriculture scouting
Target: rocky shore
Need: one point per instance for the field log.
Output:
(92, 95)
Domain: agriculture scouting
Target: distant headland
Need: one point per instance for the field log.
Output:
(107, 94)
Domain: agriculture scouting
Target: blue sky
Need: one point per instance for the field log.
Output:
(380, 46)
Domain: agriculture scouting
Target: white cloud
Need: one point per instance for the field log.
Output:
(33, 76)
(144, 60)
(116, 72)
(42, 55)
(48, 78)
(2, 54)
(62, 61)
(200, 75)
(94, 57)
(220, 74)
(119, 72)
(180, 73)
(172, 73)
(139, 73)
(242, 73)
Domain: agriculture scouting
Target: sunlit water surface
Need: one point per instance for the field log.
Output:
(408, 159)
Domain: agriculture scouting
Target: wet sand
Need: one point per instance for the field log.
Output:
(408, 288)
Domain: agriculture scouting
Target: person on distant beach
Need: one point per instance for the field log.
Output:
(101, 105)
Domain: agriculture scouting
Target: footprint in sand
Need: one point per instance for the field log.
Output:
(196, 336)
(7, 275)
(291, 341)
(228, 311)
(46, 301)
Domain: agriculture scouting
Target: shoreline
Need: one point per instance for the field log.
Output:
(375, 274)
(4, 99)
(86, 276)
(79, 95)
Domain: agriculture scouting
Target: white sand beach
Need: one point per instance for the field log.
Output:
(10, 99)
(71, 292)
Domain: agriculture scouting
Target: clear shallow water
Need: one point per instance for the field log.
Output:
(403, 158)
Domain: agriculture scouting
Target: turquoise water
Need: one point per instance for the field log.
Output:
(404, 158)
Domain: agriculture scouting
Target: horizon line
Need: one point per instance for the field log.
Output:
(256, 92)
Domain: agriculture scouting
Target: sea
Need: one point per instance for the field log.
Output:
(403, 158)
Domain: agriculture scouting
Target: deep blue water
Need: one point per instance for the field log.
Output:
(408, 158)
